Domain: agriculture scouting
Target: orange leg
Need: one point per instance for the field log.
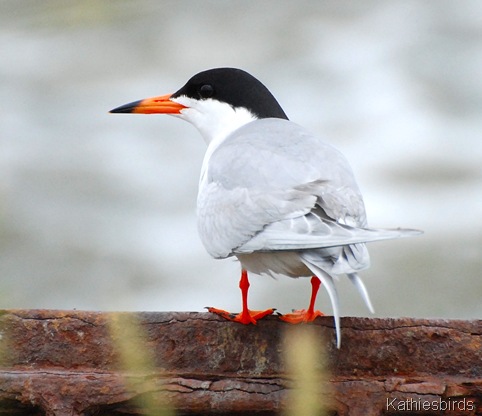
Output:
(246, 316)
(305, 315)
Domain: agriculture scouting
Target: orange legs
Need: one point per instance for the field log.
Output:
(305, 315)
(245, 316)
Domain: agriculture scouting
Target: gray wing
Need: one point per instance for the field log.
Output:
(228, 218)
(313, 231)
(271, 185)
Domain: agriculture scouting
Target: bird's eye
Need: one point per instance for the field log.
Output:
(206, 90)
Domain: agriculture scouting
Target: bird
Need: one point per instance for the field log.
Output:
(272, 194)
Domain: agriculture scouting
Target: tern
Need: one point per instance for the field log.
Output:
(272, 194)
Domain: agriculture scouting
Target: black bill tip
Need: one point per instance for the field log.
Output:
(126, 108)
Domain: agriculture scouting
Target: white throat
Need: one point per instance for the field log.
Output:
(215, 120)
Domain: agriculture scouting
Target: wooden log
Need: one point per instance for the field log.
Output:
(71, 363)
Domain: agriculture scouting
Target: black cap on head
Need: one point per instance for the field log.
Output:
(235, 87)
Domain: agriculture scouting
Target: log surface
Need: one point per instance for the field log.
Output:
(67, 363)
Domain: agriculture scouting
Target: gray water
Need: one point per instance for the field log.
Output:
(97, 211)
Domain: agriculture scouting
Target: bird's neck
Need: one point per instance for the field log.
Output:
(215, 120)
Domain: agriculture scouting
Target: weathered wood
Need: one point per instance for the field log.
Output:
(69, 363)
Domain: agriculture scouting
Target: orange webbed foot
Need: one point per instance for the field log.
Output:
(246, 317)
(301, 316)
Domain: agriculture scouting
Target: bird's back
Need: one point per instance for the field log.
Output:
(270, 171)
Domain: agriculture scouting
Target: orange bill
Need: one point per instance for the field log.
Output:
(154, 105)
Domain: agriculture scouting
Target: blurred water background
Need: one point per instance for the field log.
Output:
(97, 211)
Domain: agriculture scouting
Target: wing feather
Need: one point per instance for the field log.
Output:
(273, 186)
